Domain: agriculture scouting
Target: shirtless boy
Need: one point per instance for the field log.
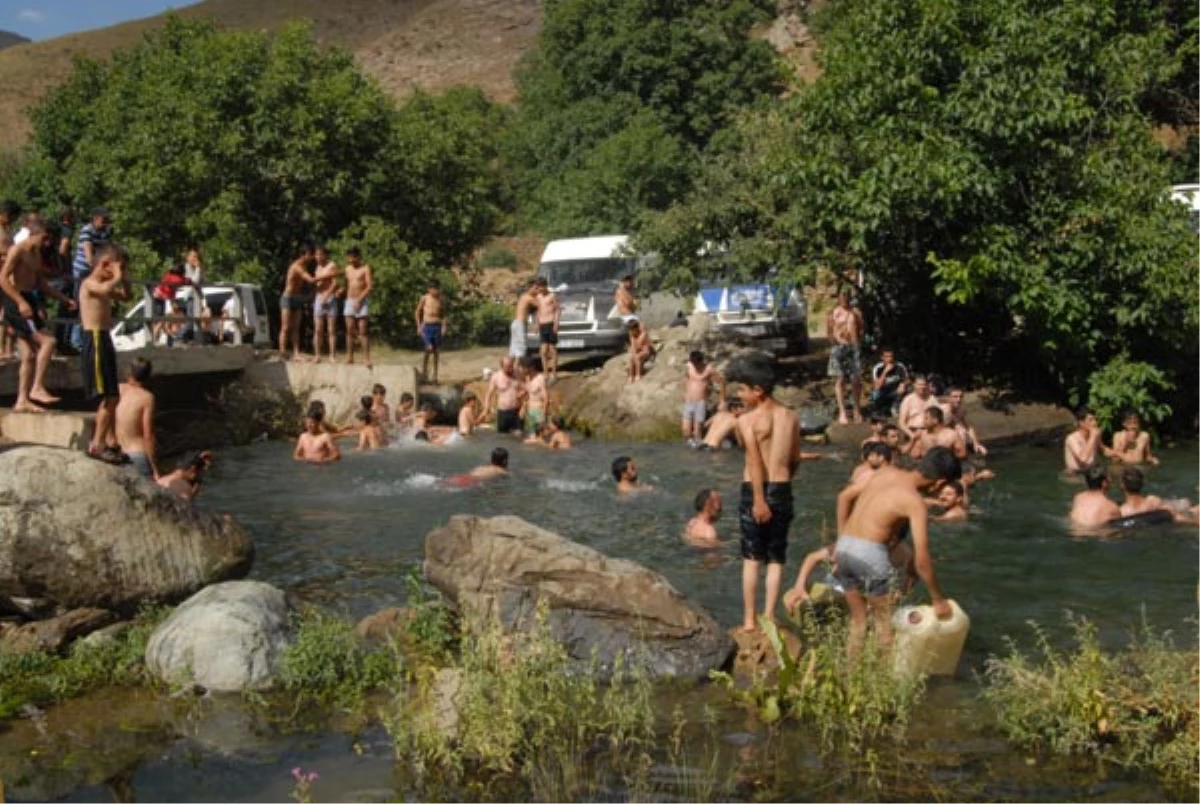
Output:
(549, 313)
(135, 420)
(870, 516)
(405, 411)
(557, 436)
(937, 434)
(1132, 483)
(956, 419)
(640, 350)
(325, 304)
(1131, 445)
(701, 529)
(700, 377)
(875, 456)
(526, 302)
(771, 434)
(845, 330)
(185, 481)
(315, 445)
(625, 472)
(468, 414)
(1092, 506)
(536, 397)
(723, 425)
(370, 433)
(431, 327)
(504, 396)
(625, 300)
(98, 358)
(357, 312)
(1082, 447)
(21, 280)
(912, 409)
(904, 575)
(291, 301)
(379, 405)
(496, 467)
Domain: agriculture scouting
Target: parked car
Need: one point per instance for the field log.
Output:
(222, 312)
(771, 314)
(1189, 195)
(584, 273)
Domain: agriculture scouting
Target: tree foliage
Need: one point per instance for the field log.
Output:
(249, 144)
(619, 98)
(989, 165)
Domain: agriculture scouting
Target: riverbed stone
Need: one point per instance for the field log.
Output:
(228, 637)
(53, 634)
(501, 567)
(82, 534)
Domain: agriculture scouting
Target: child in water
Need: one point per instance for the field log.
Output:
(370, 433)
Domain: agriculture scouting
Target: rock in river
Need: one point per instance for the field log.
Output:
(228, 637)
(503, 565)
(85, 534)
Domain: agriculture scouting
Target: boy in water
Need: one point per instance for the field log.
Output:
(700, 376)
(871, 516)
(315, 445)
(431, 327)
(701, 529)
(771, 433)
(497, 467)
(1092, 507)
(370, 434)
(722, 427)
(135, 419)
(185, 481)
(1131, 445)
(404, 411)
(379, 406)
(552, 434)
(875, 455)
(1082, 447)
(468, 415)
(536, 397)
(23, 286)
(356, 312)
(98, 358)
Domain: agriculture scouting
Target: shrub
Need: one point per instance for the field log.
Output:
(326, 664)
(484, 323)
(497, 258)
(1137, 708)
(1123, 385)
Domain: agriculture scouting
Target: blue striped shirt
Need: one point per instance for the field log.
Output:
(88, 234)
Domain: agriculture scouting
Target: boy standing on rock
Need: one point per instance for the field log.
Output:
(135, 419)
(98, 357)
(771, 434)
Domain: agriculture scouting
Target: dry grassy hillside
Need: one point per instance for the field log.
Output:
(432, 44)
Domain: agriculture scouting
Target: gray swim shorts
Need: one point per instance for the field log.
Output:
(359, 309)
(863, 565)
(695, 411)
(141, 463)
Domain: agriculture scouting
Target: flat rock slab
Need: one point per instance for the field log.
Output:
(85, 534)
(610, 608)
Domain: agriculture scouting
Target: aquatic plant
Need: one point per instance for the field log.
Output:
(851, 705)
(1137, 708)
(302, 790)
(38, 678)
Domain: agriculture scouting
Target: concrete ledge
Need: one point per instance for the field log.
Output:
(51, 429)
(338, 385)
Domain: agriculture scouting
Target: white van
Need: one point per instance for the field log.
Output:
(228, 312)
(584, 273)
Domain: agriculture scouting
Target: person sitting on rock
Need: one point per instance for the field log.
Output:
(701, 529)
(721, 428)
(625, 472)
(641, 350)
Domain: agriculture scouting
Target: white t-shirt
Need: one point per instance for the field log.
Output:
(232, 313)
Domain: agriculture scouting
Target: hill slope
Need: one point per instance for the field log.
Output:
(8, 39)
(404, 44)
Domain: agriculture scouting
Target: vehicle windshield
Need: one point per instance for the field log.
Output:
(599, 271)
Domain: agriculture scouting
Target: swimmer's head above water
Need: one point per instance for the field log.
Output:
(500, 457)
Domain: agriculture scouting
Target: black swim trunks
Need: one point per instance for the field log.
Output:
(24, 328)
(547, 334)
(98, 365)
(767, 541)
(508, 421)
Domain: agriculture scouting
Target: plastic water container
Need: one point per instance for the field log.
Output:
(925, 644)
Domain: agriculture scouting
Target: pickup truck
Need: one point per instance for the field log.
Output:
(221, 312)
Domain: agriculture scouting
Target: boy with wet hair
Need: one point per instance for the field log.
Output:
(315, 445)
(379, 407)
(722, 427)
(770, 432)
(370, 434)
(701, 529)
(1092, 507)
(870, 516)
(1131, 444)
(468, 415)
(699, 377)
(185, 481)
(404, 411)
(875, 454)
(1082, 447)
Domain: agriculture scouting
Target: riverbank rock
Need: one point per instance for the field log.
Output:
(227, 638)
(501, 567)
(607, 404)
(52, 635)
(83, 534)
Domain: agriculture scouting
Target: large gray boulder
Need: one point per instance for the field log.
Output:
(83, 534)
(501, 567)
(228, 637)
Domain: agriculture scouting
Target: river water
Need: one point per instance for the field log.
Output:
(345, 536)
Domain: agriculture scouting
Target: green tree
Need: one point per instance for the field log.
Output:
(618, 98)
(989, 165)
(250, 144)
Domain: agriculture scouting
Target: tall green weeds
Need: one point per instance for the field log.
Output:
(1138, 708)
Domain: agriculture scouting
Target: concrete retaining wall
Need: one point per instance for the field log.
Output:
(52, 429)
(338, 385)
